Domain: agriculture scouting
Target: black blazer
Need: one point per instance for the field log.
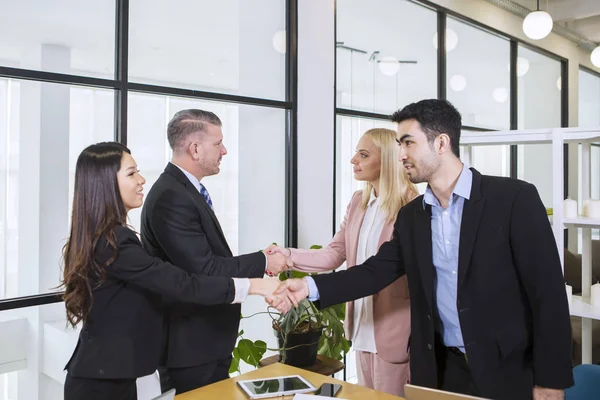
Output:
(178, 226)
(512, 304)
(122, 337)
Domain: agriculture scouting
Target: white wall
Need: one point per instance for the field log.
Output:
(315, 121)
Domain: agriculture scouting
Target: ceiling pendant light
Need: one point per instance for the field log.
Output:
(537, 24)
(389, 65)
(279, 41)
(595, 57)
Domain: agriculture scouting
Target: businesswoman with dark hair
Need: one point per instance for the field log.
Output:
(115, 288)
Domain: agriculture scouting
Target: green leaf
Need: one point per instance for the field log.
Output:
(235, 362)
(291, 274)
(251, 352)
(240, 333)
(316, 247)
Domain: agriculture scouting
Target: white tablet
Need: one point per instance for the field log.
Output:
(275, 386)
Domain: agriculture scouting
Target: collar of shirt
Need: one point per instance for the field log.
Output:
(190, 177)
(373, 198)
(462, 189)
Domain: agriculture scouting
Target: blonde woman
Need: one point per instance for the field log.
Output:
(378, 325)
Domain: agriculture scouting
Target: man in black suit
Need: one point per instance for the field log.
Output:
(178, 225)
(489, 313)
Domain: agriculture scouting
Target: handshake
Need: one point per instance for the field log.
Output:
(278, 294)
(277, 259)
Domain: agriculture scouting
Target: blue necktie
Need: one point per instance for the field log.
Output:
(206, 196)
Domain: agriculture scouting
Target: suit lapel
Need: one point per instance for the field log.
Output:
(355, 233)
(196, 197)
(471, 217)
(424, 250)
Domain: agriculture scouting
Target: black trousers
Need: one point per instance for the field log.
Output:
(99, 389)
(454, 374)
(190, 378)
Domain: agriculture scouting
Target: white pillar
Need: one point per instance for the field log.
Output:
(316, 68)
(43, 203)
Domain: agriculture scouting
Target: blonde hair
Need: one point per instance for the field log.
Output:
(395, 189)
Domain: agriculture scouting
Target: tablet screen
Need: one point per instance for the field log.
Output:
(275, 385)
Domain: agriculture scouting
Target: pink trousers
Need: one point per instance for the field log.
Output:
(376, 373)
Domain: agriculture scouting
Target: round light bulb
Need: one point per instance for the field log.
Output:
(522, 66)
(595, 57)
(537, 25)
(458, 83)
(279, 41)
(500, 94)
(559, 83)
(389, 65)
(451, 40)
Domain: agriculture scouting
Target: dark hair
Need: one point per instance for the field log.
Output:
(185, 122)
(436, 117)
(97, 210)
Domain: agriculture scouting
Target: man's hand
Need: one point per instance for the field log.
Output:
(276, 263)
(290, 292)
(540, 393)
(263, 286)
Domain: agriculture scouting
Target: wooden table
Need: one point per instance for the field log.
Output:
(323, 366)
(229, 390)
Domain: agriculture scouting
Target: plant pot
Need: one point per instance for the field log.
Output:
(301, 348)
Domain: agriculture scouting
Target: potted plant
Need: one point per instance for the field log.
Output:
(302, 333)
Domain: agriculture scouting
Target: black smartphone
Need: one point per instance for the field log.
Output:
(328, 389)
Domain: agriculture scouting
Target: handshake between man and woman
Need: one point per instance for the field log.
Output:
(278, 294)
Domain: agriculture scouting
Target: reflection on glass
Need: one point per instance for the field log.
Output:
(387, 59)
(478, 76)
(539, 106)
(275, 385)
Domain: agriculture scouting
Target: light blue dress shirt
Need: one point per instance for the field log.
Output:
(445, 239)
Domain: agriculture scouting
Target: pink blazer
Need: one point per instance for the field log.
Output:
(391, 306)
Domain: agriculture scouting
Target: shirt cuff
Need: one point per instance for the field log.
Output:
(267, 266)
(313, 291)
(242, 287)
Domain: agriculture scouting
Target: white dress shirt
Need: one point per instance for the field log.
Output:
(368, 241)
(242, 285)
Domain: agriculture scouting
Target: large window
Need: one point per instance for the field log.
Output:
(589, 99)
(589, 117)
(252, 166)
(386, 54)
(478, 85)
(225, 46)
(478, 75)
(539, 100)
(47, 125)
(228, 57)
(70, 37)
